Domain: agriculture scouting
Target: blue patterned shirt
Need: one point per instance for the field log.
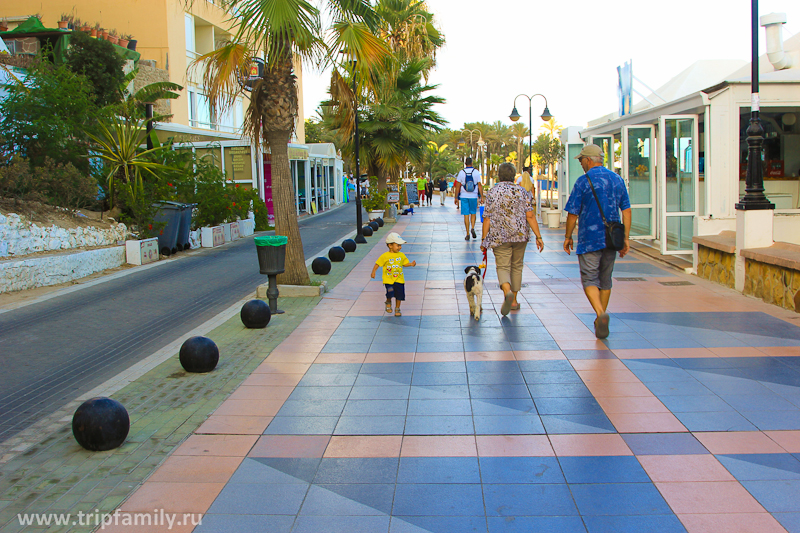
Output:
(613, 196)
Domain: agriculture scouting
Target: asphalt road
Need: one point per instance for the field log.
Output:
(55, 350)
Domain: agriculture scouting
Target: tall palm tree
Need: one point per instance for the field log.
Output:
(519, 133)
(284, 32)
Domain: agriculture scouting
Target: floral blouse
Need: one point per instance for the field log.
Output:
(506, 206)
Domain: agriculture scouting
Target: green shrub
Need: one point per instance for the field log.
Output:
(97, 60)
(377, 199)
(261, 214)
(53, 183)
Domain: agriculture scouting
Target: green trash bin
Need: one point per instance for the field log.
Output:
(271, 262)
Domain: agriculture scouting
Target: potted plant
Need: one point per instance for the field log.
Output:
(131, 42)
(63, 24)
(124, 39)
(95, 32)
(375, 203)
(103, 33)
(3, 24)
(112, 37)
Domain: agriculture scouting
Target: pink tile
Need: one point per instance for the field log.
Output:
(699, 497)
(173, 497)
(489, 356)
(669, 468)
(439, 446)
(389, 358)
(731, 523)
(364, 446)
(726, 442)
(217, 445)
(538, 355)
(788, 440)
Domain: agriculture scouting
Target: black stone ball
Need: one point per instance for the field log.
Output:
(349, 245)
(374, 225)
(199, 355)
(100, 424)
(336, 254)
(379, 221)
(255, 314)
(366, 231)
(321, 265)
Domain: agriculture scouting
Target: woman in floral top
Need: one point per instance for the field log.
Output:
(507, 220)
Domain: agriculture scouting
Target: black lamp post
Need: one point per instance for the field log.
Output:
(514, 116)
(359, 222)
(480, 138)
(754, 198)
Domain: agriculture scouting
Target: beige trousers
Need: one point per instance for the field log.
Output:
(509, 259)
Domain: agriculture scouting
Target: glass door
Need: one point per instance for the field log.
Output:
(606, 143)
(638, 171)
(679, 181)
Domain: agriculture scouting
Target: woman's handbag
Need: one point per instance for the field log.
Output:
(615, 231)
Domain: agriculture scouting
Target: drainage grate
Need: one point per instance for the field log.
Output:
(675, 283)
(629, 279)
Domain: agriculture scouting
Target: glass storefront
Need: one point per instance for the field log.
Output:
(639, 171)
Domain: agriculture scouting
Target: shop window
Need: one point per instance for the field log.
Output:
(781, 151)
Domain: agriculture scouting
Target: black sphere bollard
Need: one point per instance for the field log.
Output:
(100, 424)
(336, 254)
(379, 221)
(255, 314)
(349, 245)
(199, 355)
(374, 225)
(321, 265)
(366, 231)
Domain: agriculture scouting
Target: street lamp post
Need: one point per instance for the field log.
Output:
(754, 198)
(545, 116)
(480, 138)
(359, 222)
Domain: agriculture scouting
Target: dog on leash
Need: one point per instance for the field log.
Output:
(473, 284)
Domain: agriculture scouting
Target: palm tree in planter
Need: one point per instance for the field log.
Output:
(285, 32)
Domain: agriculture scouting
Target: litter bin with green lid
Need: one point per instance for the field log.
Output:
(271, 262)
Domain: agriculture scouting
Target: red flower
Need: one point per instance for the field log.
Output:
(149, 226)
(234, 204)
(169, 185)
(237, 185)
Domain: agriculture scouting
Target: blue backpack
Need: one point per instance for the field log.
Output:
(469, 183)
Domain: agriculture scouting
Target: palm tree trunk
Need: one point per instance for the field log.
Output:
(285, 214)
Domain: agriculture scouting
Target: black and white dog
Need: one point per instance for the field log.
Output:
(473, 284)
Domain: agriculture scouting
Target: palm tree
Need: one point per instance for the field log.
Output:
(285, 31)
(519, 133)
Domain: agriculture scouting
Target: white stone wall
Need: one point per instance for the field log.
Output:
(21, 274)
(19, 237)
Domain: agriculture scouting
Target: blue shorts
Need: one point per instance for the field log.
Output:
(396, 291)
(469, 206)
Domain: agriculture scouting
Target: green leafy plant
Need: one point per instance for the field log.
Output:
(97, 60)
(377, 198)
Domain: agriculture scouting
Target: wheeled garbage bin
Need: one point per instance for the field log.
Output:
(185, 226)
(169, 212)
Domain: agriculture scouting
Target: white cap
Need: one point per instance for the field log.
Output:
(395, 238)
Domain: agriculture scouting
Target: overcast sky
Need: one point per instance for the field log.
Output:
(569, 51)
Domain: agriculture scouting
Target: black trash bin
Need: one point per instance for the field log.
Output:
(185, 226)
(271, 262)
(169, 212)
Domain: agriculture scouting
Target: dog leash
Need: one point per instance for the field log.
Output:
(486, 263)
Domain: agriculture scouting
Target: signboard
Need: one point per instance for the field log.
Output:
(625, 88)
(238, 163)
(248, 79)
(413, 194)
(268, 191)
(393, 197)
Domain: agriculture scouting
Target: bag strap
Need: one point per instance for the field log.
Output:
(596, 199)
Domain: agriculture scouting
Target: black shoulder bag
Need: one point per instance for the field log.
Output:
(615, 231)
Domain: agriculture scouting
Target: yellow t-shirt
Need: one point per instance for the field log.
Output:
(392, 267)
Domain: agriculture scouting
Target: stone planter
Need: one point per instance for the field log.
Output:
(141, 252)
(247, 227)
(375, 214)
(212, 237)
(554, 218)
(231, 231)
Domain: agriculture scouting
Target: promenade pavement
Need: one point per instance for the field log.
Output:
(687, 418)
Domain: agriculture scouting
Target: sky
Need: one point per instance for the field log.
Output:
(569, 51)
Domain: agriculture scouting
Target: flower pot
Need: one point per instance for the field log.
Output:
(86, 29)
(132, 44)
(63, 24)
(375, 214)
(123, 43)
(113, 39)
(104, 35)
(554, 218)
(3, 27)
(93, 33)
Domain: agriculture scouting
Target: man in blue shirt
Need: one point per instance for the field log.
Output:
(595, 260)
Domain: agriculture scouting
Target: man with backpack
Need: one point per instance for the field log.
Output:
(468, 192)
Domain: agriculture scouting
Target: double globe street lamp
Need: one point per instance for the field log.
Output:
(545, 116)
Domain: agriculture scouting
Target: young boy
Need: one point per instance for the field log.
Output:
(393, 262)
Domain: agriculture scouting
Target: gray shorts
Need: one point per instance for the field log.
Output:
(596, 268)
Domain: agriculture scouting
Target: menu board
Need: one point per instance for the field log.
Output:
(238, 163)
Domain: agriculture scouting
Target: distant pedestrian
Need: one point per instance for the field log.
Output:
(507, 220)
(429, 190)
(525, 180)
(442, 190)
(421, 184)
(393, 262)
(595, 260)
(468, 191)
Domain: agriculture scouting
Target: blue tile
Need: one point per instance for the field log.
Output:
(774, 420)
(507, 470)
(529, 424)
(566, 376)
(268, 470)
(440, 347)
(348, 500)
(334, 368)
(336, 470)
(589, 354)
(311, 408)
(320, 393)
(760, 402)
(566, 424)
(634, 524)
(440, 366)
(439, 392)
(732, 386)
(559, 390)
(327, 380)
(439, 425)
(492, 366)
(778, 496)
(790, 521)
(568, 406)
(439, 378)
(715, 421)
(417, 470)
(677, 388)
(461, 407)
(610, 469)
(301, 425)
(761, 467)
(340, 524)
(537, 524)
(229, 523)
(345, 347)
(545, 366)
(619, 499)
(383, 380)
(370, 425)
(386, 368)
(695, 404)
(438, 524)
(397, 392)
(664, 444)
(251, 499)
(438, 500)
(503, 406)
(375, 408)
(528, 500)
(499, 391)
(496, 378)
(534, 346)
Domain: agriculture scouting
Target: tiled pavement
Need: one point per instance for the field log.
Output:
(687, 418)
